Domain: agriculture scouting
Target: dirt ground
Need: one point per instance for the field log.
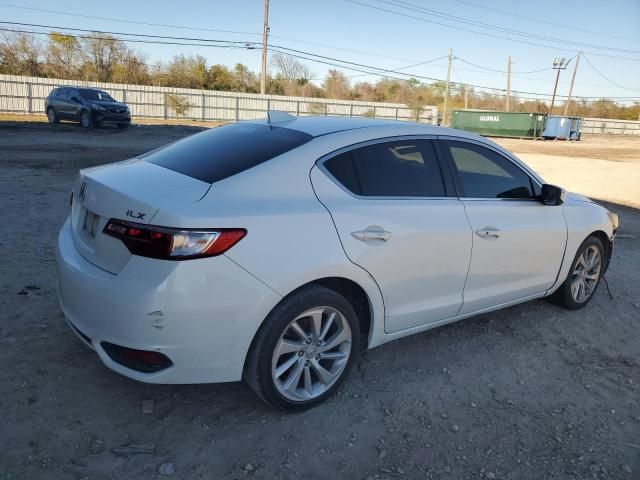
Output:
(530, 392)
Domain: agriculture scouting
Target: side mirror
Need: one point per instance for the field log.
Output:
(552, 195)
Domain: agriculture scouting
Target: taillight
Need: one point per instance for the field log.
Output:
(172, 243)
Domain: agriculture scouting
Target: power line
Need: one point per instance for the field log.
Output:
(134, 40)
(145, 35)
(607, 78)
(413, 17)
(336, 62)
(399, 68)
(502, 71)
(356, 68)
(202, 29)
(436, 13)
(464, 2)
(122, 20)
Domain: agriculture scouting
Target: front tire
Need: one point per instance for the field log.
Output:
(86, 120)
(304, 349)
(584, 276)
(51, 116)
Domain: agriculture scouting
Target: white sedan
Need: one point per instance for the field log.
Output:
(274, 250)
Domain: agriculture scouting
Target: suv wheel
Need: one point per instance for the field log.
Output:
(85, 119)
(584, 276)
(304, 349)
(51, 115)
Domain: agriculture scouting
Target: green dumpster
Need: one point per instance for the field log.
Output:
(500, 124)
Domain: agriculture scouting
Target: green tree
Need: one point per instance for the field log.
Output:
(178, 104)
(336, 85)
(62, 55)
(220, 78)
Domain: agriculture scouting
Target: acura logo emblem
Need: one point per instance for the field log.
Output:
(83, 191)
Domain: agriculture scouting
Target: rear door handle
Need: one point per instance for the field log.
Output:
(371, 233)
(488, 232)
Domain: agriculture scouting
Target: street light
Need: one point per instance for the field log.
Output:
(558, 64)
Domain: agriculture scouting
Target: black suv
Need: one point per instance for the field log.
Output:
(89, 106)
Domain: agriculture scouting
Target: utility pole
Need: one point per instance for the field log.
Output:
(466, 96)
(508, 83)
(265, 35)
(573, 79)
(558, 64)
(446, 91)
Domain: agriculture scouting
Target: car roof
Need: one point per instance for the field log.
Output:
(79, 86)
(319, 125)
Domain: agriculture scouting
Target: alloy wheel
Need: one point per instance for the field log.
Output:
(586, 274)
(311, 354)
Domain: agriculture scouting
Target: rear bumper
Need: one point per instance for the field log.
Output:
(202, 314)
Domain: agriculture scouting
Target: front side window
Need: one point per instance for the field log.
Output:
(484, 173)
(403, 168)
(95, 95)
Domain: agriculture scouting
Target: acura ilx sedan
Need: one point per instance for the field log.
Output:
(275, 250)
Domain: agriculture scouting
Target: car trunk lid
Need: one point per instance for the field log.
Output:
(132, 190)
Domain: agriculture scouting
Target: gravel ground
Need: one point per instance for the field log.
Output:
(530, 392)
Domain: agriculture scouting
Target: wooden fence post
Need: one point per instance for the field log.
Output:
(29, 98)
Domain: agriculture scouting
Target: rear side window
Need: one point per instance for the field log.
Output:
(224, 151)
(485, 173)
(405, 168)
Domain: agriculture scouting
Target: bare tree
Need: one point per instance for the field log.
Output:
(19, 55)
(291, 74)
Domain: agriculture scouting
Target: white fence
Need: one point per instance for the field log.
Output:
(20, 94)
(610, 126)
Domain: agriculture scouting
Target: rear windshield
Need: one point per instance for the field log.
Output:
(95, 95)
(224, 151)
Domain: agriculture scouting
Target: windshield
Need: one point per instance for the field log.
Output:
(95, 95)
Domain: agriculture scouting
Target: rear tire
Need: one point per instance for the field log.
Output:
(584, 276)
(51, 116)
(85, 119)
(304, 349)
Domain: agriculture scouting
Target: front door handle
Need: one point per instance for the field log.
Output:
(488, 232)
(371, 233)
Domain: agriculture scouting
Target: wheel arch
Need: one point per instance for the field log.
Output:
(355, 294)
(608, 246)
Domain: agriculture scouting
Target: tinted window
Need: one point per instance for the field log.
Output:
(54, 92)
(485, 173)
(95, 95)
(407, 168)
(63, 92)
(225, 151)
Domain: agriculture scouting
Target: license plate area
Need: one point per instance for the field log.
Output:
(90, 224)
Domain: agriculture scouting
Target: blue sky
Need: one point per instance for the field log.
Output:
(374, 37)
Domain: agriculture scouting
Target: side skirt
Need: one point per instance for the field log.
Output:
(375, 342)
